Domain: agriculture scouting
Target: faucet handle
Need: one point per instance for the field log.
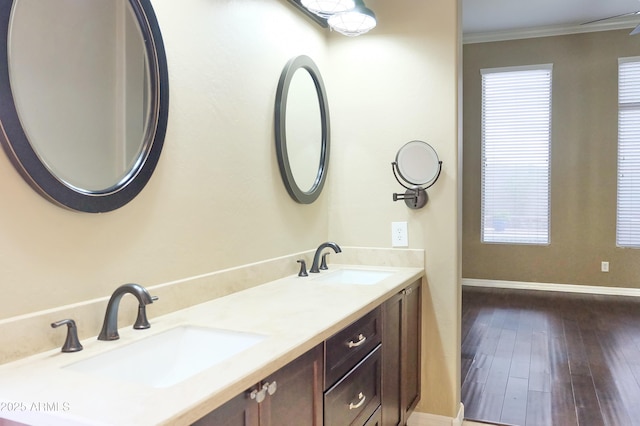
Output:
(323, 264)
(71, 344)
(142, 323)
(303, 268)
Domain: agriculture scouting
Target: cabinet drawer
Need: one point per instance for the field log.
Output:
(375, 419)
(354, 399)
(347, 347)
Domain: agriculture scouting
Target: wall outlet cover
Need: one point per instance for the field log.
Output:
(399, 234)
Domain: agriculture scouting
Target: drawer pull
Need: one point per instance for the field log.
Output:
(362, 398)
(361, 340)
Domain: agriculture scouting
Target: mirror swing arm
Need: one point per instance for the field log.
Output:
(418, 165)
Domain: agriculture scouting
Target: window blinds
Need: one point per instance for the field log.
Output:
(628, 205)
(516, 140)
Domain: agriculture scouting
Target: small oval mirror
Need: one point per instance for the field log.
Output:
(302, 129)
(418, 163)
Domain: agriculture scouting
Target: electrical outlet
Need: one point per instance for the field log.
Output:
(604, 266)
(399, 234)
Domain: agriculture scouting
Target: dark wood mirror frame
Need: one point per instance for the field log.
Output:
(294, 190)
(39, 177)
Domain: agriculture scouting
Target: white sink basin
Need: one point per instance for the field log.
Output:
(170, 357)
(354, 276)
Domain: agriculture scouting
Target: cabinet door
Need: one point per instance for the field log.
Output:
(401, 355)
(411, 370)
(297, 400)
(392, 411)
(240, 411)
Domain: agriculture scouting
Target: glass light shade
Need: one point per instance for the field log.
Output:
(326, 8)
(353, 22)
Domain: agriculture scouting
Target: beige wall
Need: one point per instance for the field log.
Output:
(217, 200)
(391, 86)
(583, 163)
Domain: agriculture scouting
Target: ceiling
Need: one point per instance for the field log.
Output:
(511, 16)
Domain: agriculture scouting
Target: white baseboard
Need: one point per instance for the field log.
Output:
(568, 288)
(426, 419)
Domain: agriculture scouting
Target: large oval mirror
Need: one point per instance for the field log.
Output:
(302, 129)
(84, 98)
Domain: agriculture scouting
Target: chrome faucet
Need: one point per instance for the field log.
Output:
(110, 324)
(316, 257)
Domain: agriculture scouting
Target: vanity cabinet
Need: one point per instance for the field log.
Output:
(401, 340)
(292, 396)
(367, 374)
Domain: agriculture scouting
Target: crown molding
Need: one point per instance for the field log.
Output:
(548, 31)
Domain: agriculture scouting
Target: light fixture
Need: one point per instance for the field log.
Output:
(326, 8)
(354, 22)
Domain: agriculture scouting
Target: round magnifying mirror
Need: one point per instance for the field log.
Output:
(418, 163)
(302, 129)
(83, 98)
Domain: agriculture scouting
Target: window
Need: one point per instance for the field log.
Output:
(628, 206)
(516, 144)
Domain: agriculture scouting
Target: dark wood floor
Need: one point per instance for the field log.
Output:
(549, 358)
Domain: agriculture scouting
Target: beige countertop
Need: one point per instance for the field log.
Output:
(294, 313)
